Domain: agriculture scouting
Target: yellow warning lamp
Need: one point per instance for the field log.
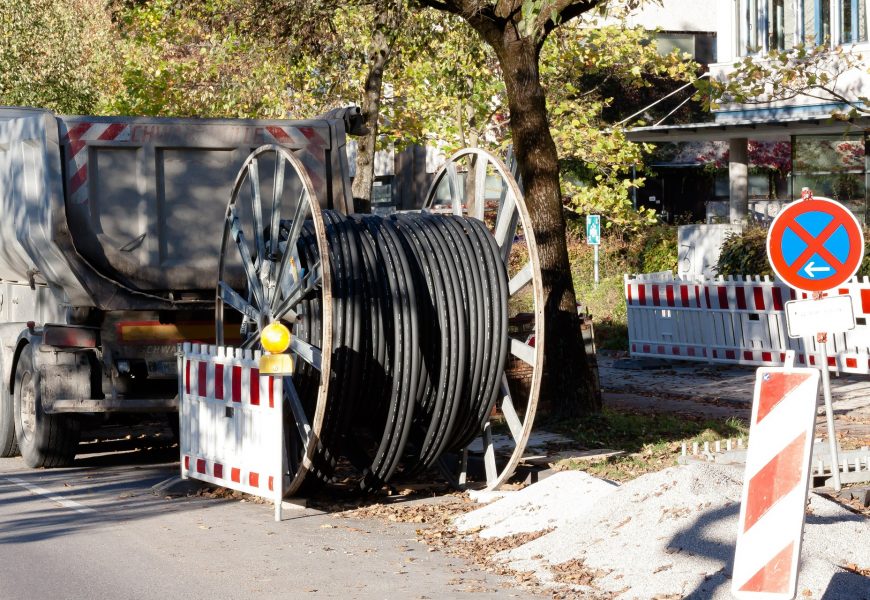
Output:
(276, 339)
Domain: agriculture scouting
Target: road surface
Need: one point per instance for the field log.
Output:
(96, 530)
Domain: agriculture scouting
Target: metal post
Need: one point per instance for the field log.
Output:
(829, 411)
(596, 264)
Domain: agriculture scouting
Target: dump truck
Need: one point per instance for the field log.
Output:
(110, 233)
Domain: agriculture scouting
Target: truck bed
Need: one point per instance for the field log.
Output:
(110, 206)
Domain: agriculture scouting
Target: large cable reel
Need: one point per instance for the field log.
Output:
(399, 324)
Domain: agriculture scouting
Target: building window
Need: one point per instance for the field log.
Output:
(767, 25)
(854, 22)
(832, 166)
(782, 24)
(816, 21)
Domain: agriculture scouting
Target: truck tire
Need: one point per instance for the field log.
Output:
(8, 446)
(44, 440)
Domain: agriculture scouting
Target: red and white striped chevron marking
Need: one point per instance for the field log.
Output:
(76, 140)
(775, 483)
(312, 141)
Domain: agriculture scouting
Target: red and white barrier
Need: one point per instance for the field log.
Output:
(775, 483)
(735, 320)
(231, 421)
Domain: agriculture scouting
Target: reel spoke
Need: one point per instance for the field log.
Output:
(510, 413)
(254, 283)
(489, 455)
(299, 415)
(523, 351)
(277, 195)
(298, 291)
(310, 354)
(455, 196)
(229, 296)
(521, 279)
(506, 224)
(257, 215)
(479, 207)
(299, 215)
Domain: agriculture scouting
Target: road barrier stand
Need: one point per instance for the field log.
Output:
(231, 418)
(736, 320)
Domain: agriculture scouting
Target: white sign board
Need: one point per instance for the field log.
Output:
(806, 318)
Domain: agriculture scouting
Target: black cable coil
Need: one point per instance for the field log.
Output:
(420, 342)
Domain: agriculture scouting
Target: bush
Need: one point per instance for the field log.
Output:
(647, 250)
(744, 253)
(658, 249)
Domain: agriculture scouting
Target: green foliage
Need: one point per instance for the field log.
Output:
(578, 64)
(197, 59)
(610, 201)
(55, 54)
(744, 253)
(645, 250)
(446, 86)
(658, 249)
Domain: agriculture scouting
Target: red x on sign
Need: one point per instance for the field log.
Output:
(815, 245)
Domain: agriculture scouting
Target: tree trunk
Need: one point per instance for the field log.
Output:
(379, 54)
(567, 382)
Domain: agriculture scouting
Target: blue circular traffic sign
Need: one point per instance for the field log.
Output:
(815, 245)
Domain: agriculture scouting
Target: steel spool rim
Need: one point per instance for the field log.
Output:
(315, 423)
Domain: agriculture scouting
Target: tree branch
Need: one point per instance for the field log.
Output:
(450, 7)
(564, 10)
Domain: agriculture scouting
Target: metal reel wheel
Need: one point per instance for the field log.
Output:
(475, 183)
(262, 278)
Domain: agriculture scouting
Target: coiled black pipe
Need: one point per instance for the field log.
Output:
(420, 342)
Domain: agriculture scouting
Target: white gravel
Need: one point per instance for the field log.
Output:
(537, 507)
(668, 534)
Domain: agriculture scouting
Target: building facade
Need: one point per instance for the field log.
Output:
(827, 155)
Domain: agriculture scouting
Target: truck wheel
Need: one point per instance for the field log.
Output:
(8, 446)
(44, 440)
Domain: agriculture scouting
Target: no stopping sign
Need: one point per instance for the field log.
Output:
(815, 245)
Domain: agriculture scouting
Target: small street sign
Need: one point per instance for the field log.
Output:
(593, 230)
(807, 318)
(814, 245)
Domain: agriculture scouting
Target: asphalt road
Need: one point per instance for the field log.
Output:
(97, 531)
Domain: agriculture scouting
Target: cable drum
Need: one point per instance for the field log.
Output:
(401, 392)
(400, 324)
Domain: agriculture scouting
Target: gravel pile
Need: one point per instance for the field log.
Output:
(537, 507)
(669, 535)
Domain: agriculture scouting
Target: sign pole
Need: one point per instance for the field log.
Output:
(822, 340)
(596, 264)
